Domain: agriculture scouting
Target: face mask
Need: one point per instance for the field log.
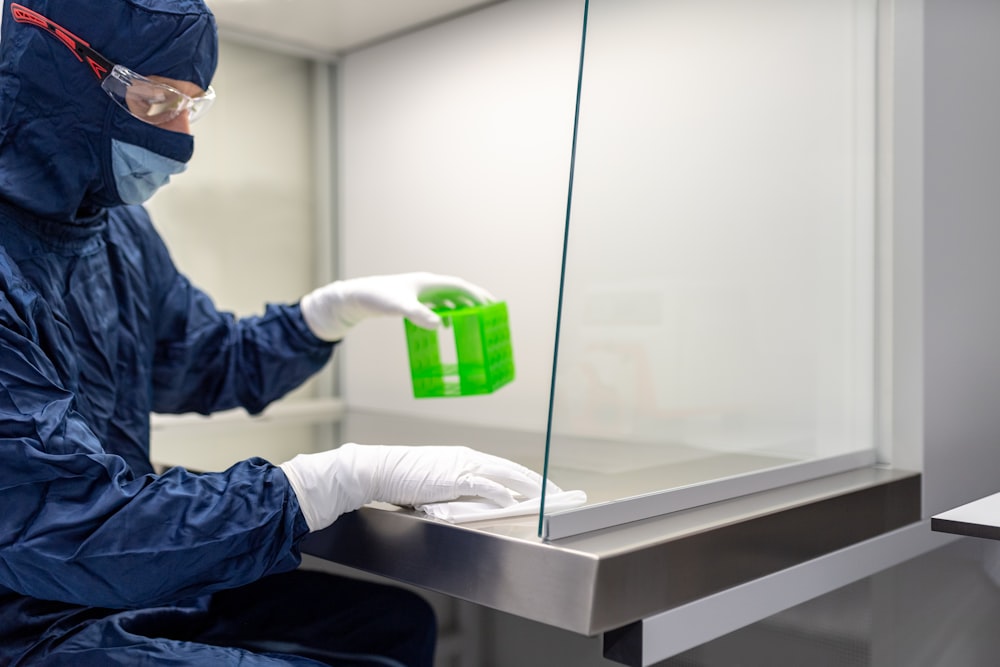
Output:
(140, 172)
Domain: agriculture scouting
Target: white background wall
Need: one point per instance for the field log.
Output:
(454, 157)
(719, 288)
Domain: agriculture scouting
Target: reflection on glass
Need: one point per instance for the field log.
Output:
(718, 296)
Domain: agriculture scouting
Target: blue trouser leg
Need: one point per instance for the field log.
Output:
(297, 618)
(331, 615)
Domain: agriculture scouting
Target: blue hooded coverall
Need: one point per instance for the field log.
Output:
(102, 561)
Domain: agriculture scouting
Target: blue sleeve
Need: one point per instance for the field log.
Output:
(78, 526)
(207, 360)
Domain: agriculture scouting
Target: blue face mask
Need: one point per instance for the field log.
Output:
(140, 172)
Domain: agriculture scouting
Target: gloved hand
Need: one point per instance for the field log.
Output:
(331, 310)
(341, 480)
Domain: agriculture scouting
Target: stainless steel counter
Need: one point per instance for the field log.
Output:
(603, 580)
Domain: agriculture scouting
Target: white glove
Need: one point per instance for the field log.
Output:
(341, 480)
(331, 310)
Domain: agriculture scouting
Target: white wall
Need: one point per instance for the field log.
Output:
(454, 157)
(719, 287)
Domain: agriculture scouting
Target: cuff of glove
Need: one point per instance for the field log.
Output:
(325, 486)
(321, 312)
(298, 487)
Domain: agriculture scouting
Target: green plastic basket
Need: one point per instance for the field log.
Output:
(483, 358)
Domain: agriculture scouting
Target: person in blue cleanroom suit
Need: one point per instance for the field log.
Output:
(103, 561)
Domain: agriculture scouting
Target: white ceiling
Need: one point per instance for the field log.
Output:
(332, 26)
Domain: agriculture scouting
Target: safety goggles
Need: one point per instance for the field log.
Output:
(149, 101)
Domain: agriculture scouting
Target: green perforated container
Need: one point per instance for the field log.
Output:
(480, 360)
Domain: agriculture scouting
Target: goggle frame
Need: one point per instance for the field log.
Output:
(119, 82)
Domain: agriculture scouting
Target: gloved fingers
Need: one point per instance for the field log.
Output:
(482, 487)
(452, 302)
(421, 315)
(524, 481)
(451, 291)
(448, 292)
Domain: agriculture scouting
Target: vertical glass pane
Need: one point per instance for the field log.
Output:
(718, 295)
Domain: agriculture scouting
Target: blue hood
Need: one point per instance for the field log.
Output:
(57, 124)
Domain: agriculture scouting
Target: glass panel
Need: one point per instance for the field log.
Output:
(718, 292)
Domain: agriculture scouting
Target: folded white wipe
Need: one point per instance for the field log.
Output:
(463, 511)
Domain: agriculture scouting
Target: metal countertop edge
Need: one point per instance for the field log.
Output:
(599, 582)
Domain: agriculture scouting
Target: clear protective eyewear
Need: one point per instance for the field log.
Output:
(149, 101)
(152, 101)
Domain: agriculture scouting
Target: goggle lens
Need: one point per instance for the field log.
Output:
(153, 102)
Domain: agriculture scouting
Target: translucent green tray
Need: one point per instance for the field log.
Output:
(482, 361)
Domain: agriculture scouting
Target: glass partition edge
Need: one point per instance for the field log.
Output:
(562, 269)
